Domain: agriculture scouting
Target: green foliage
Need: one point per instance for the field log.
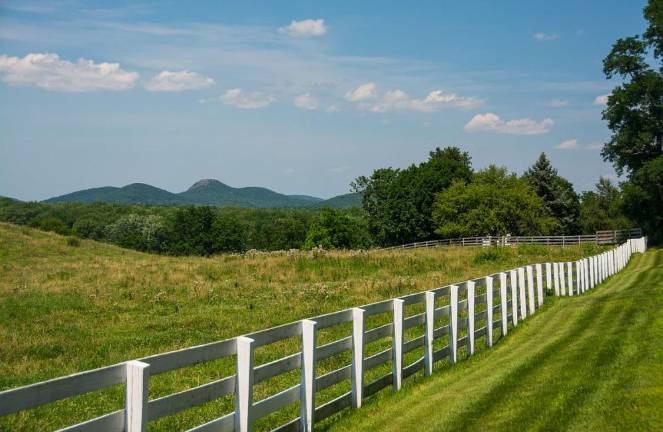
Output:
(50, 223)
(398, 203)
(635, 116)
(332, 229)
(229, 233)
(602, 210)
(643, 198)
(492, 254)
(493, 203)
(143, 233)
(559, 198)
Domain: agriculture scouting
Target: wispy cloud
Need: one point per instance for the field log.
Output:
(48, 71)
(558, 103)
(340, 169)
(306, 101)
(305, 28)
(544, 37)
(601, 100)
(569, 144)
(246, 100)
(397, 100)
(490, 122)
(168, 81)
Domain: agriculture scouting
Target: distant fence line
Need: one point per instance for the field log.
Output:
(600, 237)
(486, 307)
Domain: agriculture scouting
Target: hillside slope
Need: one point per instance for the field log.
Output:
(593, 362)
(66, 309)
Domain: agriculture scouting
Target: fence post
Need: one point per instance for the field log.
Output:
(530, 289)
(489, 311)
(539, 284)
(569, 270)
(590, 269)
(562, 278)
(428, 337)
(523, 297)
(514, 297)
(549, 285)
(244, 385)
(578, 277)
(503, 305)
(470, 317)
(135, 413)
(307, 386)
(585, 269)
(556, 278)
(397, 345)
(453, 324)
(357, 356)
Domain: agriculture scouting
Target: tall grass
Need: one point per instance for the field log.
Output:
(66, 308)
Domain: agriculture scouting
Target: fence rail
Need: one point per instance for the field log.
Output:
(600, 238)
(486, 307)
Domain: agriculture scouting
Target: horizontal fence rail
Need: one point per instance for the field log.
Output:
(600, 238)
(462, 313)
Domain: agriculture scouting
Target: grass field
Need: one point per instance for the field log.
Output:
(593, 362)
(68, 308)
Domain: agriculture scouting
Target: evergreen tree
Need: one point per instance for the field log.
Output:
(559, 199)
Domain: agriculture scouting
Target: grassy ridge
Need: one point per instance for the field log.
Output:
(65, 309)
(587, 363)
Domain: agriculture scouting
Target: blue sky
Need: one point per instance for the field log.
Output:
(300, 97)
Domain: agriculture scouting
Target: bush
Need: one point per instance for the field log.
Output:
(51, 224)
(73, 242)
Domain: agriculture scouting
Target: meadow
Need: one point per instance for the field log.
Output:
(67, 305)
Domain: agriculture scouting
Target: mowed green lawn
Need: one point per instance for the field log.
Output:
(590, 363)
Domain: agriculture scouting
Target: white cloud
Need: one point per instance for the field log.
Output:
(595, 146)
(398, 100)
(490, 122)
(178, 81)
(306, 101)
(601, 100)
(246, 100)
(569, 144)
(331, 109)
(305, 28)
(542, 37)
(558, 103)
(49, 72)
(363, 92)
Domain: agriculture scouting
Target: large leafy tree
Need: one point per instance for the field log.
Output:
(602, 209)
(635, 115)
(398, 202)
(493, 203)
(559, 199)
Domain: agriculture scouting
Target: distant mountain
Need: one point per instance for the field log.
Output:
(349, 200)
(135, 193)
(203, 192)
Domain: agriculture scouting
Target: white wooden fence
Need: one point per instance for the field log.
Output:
(600, 238)
(506, 298)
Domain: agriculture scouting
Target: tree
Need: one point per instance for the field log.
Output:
(493, 203)
(229, 233)
(635, 115)
(398, 202)
(333, 229)
(635, 108)
(143, 233)
(190, 231)
(602, 210)
(559, 198)
(643, 198)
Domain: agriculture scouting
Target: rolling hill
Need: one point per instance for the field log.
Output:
(204, 192)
